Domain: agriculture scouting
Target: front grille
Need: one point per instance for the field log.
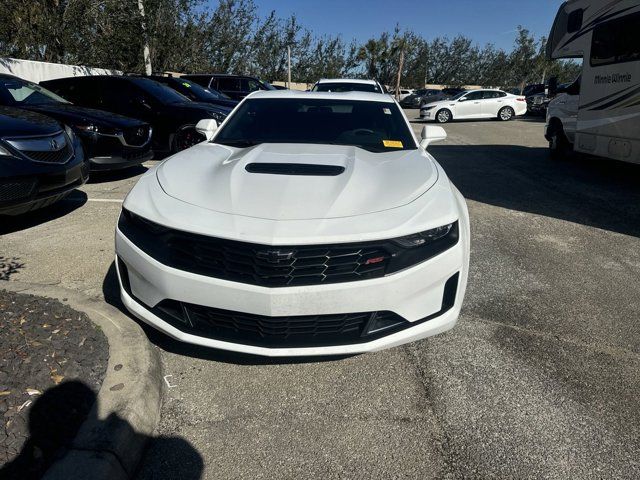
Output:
(136, 136)
(53, 156)
(275, 266)
(16, 190)
(47, 149)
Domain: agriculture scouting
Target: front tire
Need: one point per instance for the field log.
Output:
(443, 116)
(559, 145)
(505, 114)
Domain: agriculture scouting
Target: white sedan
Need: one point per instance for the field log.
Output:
(474, 104)
(307, 224)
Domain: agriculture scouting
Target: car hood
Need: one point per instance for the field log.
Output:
(18, 122)
(196, 108)
(215, 177)
(76, 115)
(439, 103)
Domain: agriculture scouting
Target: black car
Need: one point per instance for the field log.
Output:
(444, 94)
(537, 98)
(172, 115)
(424, 94)
(110, 141)
(40, 161)
(234, 86)
(195, 92)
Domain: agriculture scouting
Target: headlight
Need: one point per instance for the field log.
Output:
(4, 152)
(70, 134)
(419, 239)
(98, 129)
(419, 247)
(427, 108)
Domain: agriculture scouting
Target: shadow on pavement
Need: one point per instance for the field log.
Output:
(54, 421)
(9, 266)
(11, 224)
(115, 175)
(111, 292)
(586, 190)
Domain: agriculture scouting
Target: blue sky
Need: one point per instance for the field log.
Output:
(485, 21)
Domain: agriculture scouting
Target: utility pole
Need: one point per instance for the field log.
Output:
(399, 73)
(289, 67)
(145, 51)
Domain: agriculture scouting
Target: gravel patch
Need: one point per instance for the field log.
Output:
(52, 362)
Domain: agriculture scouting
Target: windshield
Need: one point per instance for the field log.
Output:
(374, 126)
(160, 92)
(267, 85)
(14, 91)
(345, 87)
(197, 92)
(458, 95)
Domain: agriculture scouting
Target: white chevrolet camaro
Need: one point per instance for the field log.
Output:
(475, 104)
(309, 223)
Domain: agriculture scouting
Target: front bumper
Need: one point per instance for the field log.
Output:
(27, 186)
(124, 160)
(415, 294)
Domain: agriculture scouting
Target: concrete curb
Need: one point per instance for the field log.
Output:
(110, 442)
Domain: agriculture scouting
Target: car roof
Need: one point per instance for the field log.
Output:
(348, 80)
(359, 96)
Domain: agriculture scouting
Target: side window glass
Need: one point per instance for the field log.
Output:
(230, 84)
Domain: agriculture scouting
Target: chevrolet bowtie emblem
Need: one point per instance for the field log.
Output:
(275, 256)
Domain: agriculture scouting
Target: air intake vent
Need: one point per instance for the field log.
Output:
(295, 169)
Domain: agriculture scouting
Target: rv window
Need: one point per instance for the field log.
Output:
(616, 41)
(574, 22)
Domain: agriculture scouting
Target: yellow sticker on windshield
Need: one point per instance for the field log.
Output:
(392, 143)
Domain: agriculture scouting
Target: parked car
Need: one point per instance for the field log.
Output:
(537, 98)
(109, 141)
(234, 86)
(404, 93)
(172, 115)
(320, 237)
(472, 104)
(41, 161)
(421, 95)
(348, 85)
(195, 92)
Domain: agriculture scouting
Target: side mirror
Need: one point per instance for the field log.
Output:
(552, 88)
(207, 127)
(462, 99)
(431, 134)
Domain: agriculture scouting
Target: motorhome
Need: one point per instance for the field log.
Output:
(599, 113)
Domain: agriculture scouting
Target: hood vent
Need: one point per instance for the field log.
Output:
(295, 169)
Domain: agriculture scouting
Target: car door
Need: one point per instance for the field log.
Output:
(492, 101)
(469, 106)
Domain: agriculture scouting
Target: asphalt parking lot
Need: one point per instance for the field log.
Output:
(540, 378)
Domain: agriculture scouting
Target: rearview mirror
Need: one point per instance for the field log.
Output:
(207, 127)
(431, 134)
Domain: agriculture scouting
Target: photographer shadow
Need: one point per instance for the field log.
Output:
(57, 444)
